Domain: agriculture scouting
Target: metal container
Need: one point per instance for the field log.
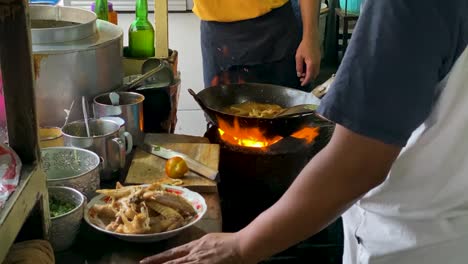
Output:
(160, 107)
(72, 167)
(129, 108)
(80, 24)
(66, 70)
(105, 140)
(117, 120)
(50, 137)
(64, 228)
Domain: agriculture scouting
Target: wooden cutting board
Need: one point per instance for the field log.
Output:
(148, 168)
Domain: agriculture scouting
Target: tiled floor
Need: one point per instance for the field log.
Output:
(184, 36)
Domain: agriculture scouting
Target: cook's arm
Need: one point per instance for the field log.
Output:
(308, 52)
(310, 13)
(348, 167)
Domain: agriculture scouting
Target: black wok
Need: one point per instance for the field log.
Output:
(216, 99)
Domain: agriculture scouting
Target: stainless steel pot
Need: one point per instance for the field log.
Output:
(67, 69)
(72, 167)
(45, 27)
(129, 108)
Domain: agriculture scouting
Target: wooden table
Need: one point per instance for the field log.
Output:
(94, 247)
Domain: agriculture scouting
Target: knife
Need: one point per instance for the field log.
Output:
(193, 165)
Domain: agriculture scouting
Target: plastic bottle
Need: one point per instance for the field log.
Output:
(113, 16)
(111, 13)
(101, 9)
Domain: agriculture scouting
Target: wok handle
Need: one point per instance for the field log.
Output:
(199, 101)
(207, 111)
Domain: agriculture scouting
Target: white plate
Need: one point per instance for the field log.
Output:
(198, 202)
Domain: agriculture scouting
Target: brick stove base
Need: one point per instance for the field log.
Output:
(252, 180)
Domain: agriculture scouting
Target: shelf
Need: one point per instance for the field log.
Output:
(20, 104)
(30, 190)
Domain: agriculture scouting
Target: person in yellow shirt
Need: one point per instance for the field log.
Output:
(259, 41)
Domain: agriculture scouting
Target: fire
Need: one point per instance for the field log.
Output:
(246, 137)
(229, 77)
(255, 138)
(307, 133)
(232, 75)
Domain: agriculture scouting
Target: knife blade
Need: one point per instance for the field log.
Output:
(193, 165)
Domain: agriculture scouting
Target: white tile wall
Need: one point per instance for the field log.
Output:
(184, 36)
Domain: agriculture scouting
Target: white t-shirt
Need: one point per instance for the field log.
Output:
(420, 213)
(404, 81)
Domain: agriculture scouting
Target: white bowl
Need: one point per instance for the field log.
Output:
(197, 201)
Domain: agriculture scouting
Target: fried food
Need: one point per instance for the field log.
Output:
(174, 201)
(254, 109)
(141, 210)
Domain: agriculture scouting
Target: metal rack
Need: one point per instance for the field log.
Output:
(30, 198)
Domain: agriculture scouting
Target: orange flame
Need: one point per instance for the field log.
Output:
(307, 133)
(255, 138)
(246, 137)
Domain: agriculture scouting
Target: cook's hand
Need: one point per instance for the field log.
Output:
(308, 55)
(219, 248)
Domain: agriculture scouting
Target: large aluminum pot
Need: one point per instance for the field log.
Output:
(67, 70)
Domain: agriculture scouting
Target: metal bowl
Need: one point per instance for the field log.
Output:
(73, 167)
(65, 227)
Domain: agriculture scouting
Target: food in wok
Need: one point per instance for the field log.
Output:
(254, 109)
(141, 210)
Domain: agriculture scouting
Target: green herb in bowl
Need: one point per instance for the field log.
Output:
(58, 207)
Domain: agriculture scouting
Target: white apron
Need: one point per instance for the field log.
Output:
(420, 213)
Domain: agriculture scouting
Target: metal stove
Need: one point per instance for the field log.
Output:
(253, 179)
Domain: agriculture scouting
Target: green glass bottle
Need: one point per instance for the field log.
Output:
(101, 10)
(141, 33)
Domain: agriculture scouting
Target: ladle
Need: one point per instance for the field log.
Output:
(162, 78)
(129, 86)
(85, 114)
(301, 109)
(114, 98)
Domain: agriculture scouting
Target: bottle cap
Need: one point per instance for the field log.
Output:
(110, 6)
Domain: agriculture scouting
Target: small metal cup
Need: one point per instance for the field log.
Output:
(117, 120)
(105, 140)
(130, 109)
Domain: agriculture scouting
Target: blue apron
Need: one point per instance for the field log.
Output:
(260, 50)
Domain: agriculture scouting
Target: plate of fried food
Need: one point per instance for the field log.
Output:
(144, 213)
